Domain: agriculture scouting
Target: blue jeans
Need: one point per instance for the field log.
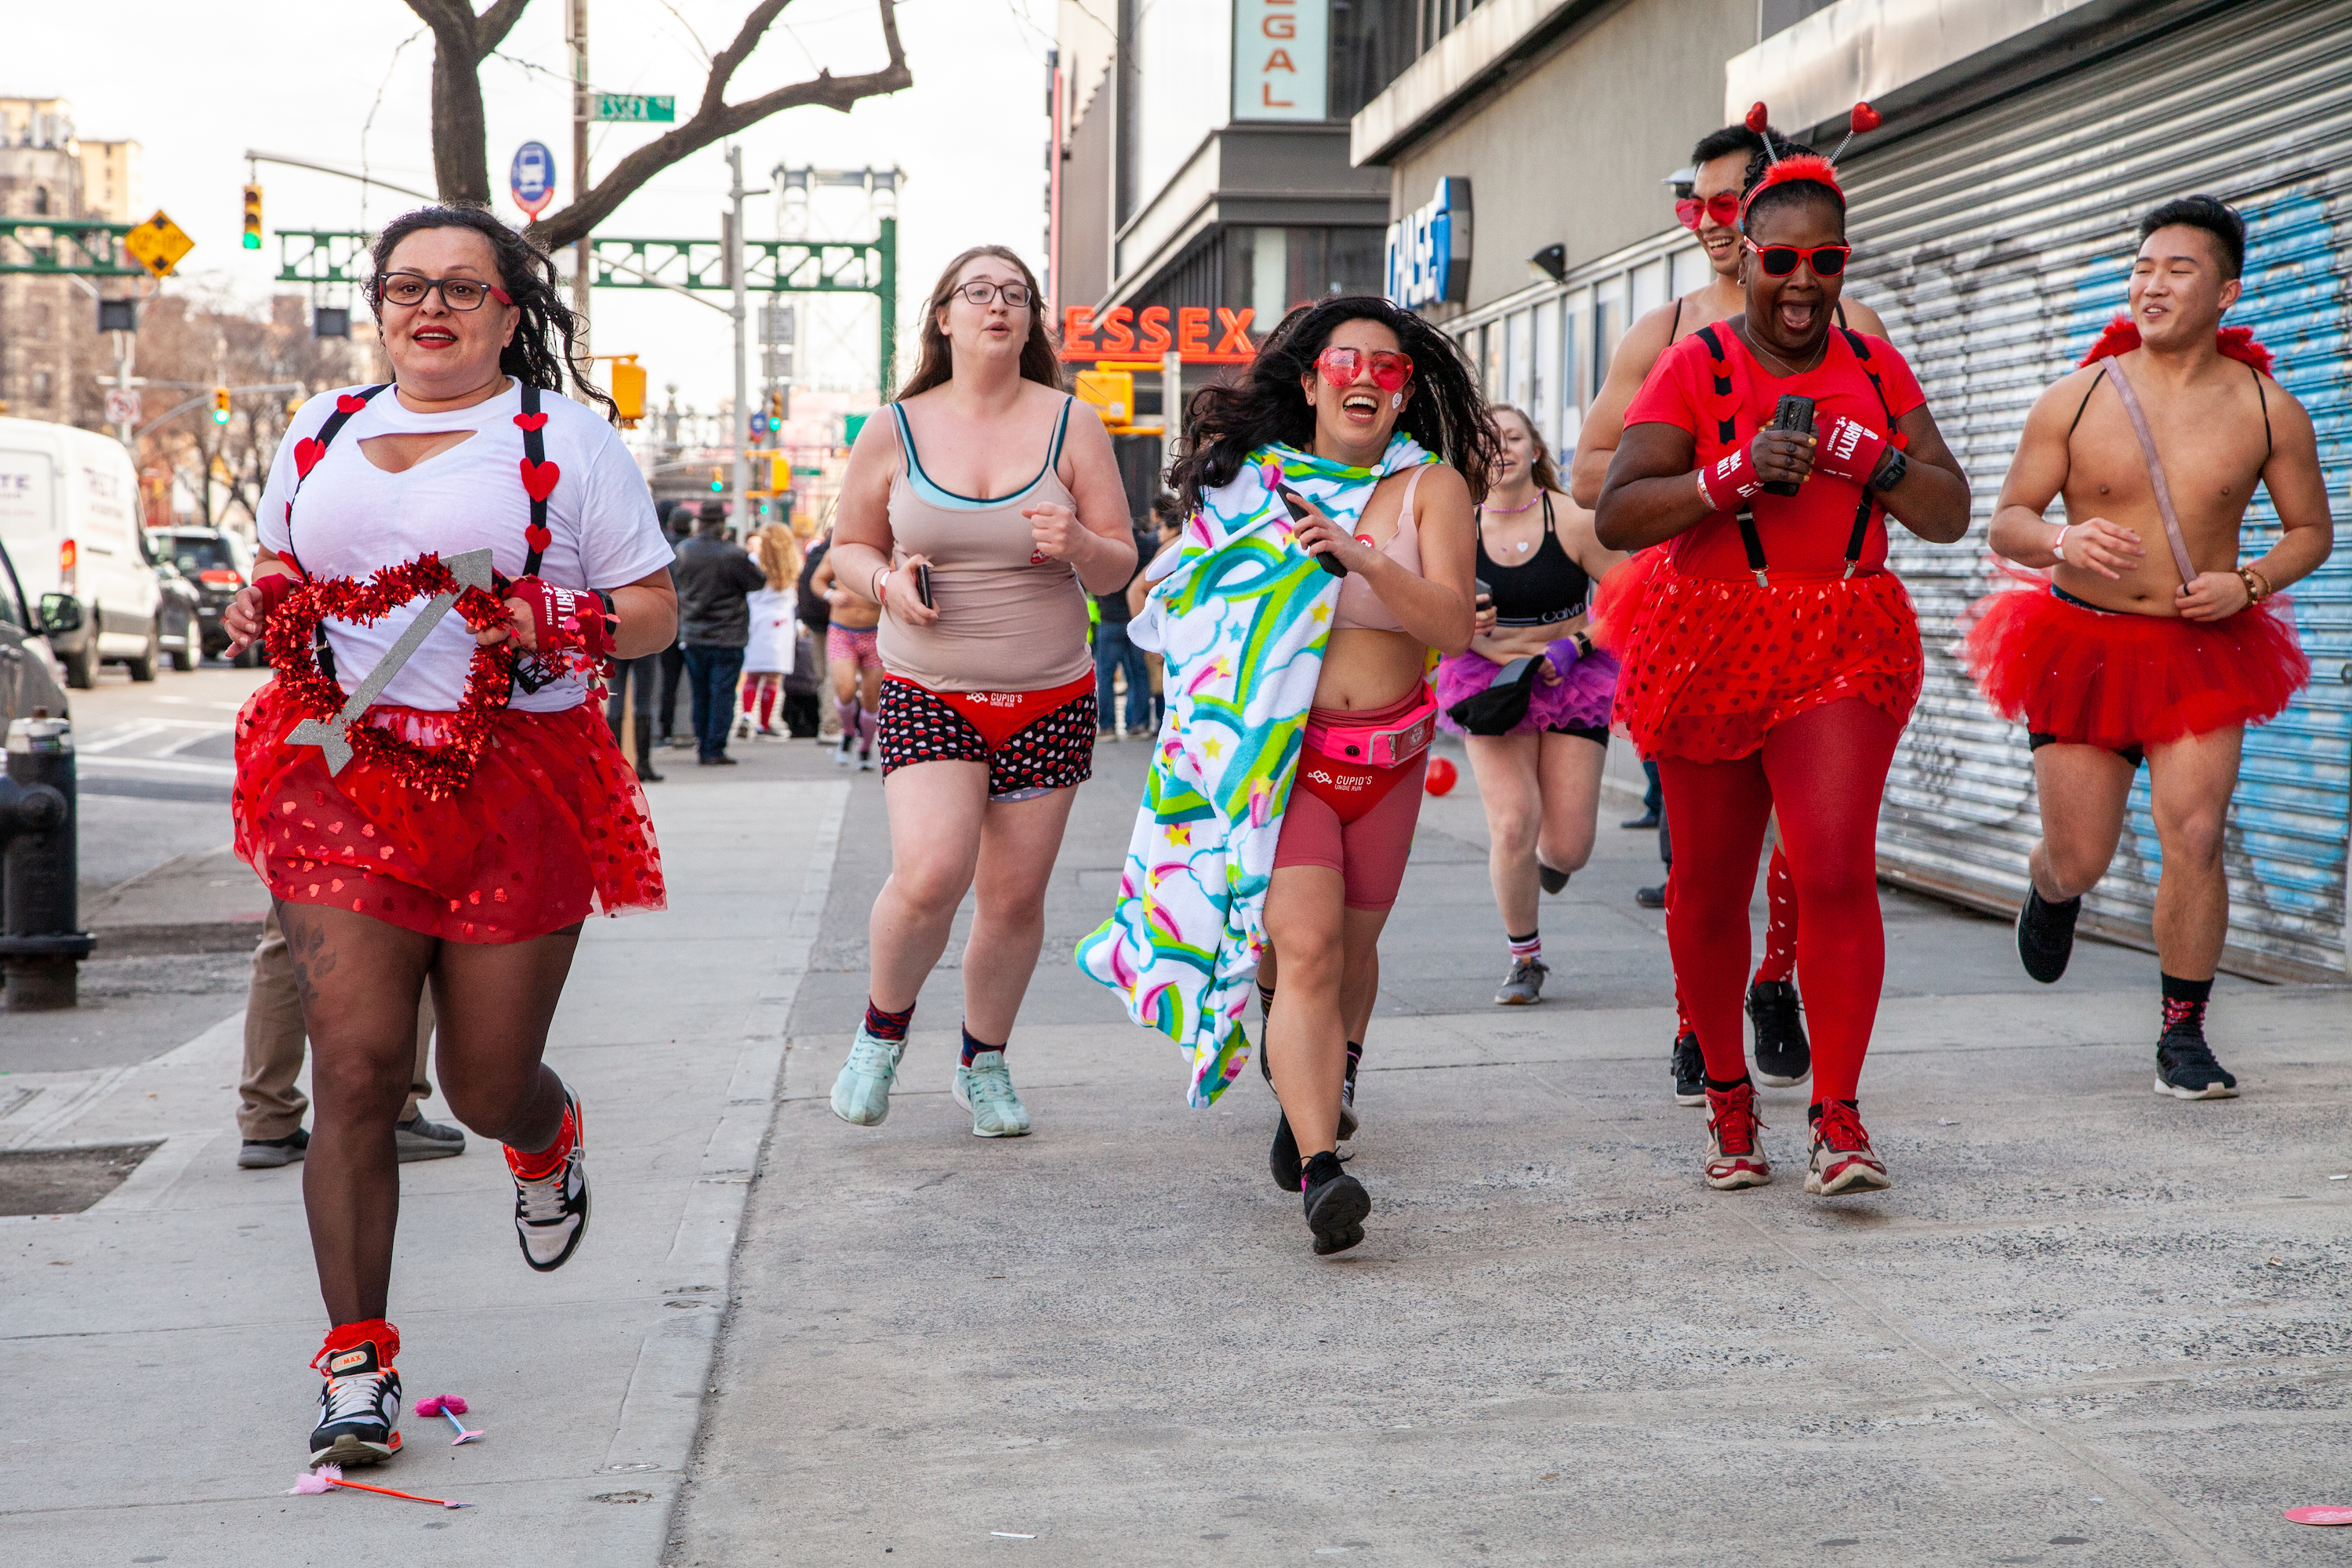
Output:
(711, 675)
(1113, 651)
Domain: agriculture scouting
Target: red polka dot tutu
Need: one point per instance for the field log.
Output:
(551, 828)
(1713, 665)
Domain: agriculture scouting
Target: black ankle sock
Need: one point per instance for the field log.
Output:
(972, 1047)
(1725, 1085)
(2184, 1004)
(1813, 1112)
(887, 1026)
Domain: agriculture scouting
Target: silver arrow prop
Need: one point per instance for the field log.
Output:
(472, 569)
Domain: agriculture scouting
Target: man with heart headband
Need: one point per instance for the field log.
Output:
(1775, 659)
(2134, 651)
(1723, 165)
(1328, 554)
(427, 784)
(979, 515)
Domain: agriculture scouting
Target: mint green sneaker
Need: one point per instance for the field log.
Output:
(985, 1089)
(861, 1095)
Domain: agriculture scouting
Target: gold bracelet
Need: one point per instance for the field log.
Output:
(2258, 588)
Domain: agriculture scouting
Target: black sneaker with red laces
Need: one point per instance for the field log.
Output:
(358, 1408)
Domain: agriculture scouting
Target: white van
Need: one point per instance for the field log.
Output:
(70, 515)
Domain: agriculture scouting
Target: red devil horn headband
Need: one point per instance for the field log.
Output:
(1807, 166)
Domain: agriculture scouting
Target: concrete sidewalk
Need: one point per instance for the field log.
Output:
(588, 1381)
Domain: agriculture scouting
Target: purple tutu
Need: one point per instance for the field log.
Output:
(1579, 701)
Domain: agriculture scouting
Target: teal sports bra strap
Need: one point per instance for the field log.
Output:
(1054, 458)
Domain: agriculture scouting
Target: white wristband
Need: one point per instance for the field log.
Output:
(2058, 545)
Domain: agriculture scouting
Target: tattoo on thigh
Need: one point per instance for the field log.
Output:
(313, 959)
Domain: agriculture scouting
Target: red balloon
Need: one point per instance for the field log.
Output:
(1440, 776)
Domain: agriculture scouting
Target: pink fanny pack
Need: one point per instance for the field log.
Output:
(1381, 745)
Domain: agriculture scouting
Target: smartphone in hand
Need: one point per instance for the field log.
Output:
(1793, 413)
(923, 585)
(1299, 513)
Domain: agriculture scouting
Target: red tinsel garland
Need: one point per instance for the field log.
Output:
(292, 637)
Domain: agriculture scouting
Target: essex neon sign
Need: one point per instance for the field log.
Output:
(1125, 332)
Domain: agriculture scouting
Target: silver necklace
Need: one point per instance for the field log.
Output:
(1785, 366)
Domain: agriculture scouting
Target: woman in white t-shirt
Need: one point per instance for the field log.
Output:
(768, 659)
(474, 809)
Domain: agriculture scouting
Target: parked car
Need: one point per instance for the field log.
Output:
(218, 563)
(69, 518)
(181, 614)
(31, 678)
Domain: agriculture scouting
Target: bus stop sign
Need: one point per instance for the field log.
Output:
(531, 177)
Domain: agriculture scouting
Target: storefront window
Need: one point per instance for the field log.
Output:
(1371, 43)
(1519, 356)
(1607, 325)
(1275, 270)
(1544, 396)
(1490, 359)
(1649, 288)
(1690, 271)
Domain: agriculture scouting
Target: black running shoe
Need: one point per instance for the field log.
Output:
(1553, 882)
(1651, 897)
(1348, 1122)
(359, 1409)
(1336, 1205)
(1282, 1161)
(2045, 934)
(1690, 1071)
(552, 1212)
(1783, 1055)
(2185, 1068)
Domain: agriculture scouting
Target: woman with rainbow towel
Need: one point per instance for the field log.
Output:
(1329, 551)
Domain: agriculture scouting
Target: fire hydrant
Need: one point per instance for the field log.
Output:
(40, 951)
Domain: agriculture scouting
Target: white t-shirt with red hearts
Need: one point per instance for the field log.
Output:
(349, 517)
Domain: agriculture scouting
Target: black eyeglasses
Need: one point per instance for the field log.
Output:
(456, 293)
(1015, 295)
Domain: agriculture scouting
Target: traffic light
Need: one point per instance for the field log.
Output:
(775, 408)
(629, 389)
(253, 217)
(220, 405)
(717, 478)
(780, 472)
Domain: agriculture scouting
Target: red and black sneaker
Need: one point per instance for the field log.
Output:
(552, 1194)
(1842, 1159)
(1734, 1157)
(358, 1408)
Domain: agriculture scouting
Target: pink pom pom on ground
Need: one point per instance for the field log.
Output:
(453, 1403)
(431, 1406)
(314, 1482)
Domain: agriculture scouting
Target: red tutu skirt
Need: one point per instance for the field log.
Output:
(1619, 598)
(551, 828)
(1713, 665)
(2099, 678)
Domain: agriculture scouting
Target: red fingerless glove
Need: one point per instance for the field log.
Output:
(1849, 449)
(1730, 481)
(273, 590)
(567, 621)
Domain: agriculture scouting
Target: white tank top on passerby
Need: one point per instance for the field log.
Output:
(350, 518)
(770, 651)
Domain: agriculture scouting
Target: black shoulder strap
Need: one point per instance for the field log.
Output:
(2083, 408)
(2265, 397)
(1861, 533)
(534, 447)
(1727, 432)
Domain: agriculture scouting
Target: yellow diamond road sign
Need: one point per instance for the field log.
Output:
(158, 243)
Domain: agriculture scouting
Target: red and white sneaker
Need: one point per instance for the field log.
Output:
(552, 1205)
(358, 1408)
(1734, 1157)
(1842, 1159)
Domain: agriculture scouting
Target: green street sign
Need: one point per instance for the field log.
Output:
(808, 473)
(633, 107)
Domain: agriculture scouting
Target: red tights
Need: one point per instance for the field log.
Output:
(1826, 770)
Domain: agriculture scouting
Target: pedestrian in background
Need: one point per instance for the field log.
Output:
(270, 1105)
(1114, 653)
(808, 653)
(1167, 517)
(678, 527)
(768, 656)
(715, 582)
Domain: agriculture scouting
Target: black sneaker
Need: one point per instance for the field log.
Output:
(1647, 820)
(418, 1139)
(268, 1153)
(2045, 934)
(1552, 881)
(2185, 1068)
(1783, 1055)
(1690, 1071)
(1348, 1122)
(1336, 1205)
(1651, 897)
(1282, 1161)
(552, 1212)
(358, 1409)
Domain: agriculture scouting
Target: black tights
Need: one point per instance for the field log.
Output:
(360, 979)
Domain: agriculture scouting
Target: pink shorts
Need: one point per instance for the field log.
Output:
(1369, 852)
(847, 645)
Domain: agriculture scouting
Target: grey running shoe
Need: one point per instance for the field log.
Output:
(2185, 1068)
(1783, 1055)
(418, 1139)
(2045, 934)
(985, 1089)
(268, 1153)
(1524, 988)
(861, 1094)
(1690, 1071)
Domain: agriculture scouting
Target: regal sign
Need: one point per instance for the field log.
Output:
(1124, 332)
(1429, 250)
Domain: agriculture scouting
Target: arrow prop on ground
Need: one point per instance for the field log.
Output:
(472, 569)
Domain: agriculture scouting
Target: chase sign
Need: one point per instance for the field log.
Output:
(1429, 250)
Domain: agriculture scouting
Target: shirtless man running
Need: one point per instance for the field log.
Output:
(1711, 210)
(2153, 640)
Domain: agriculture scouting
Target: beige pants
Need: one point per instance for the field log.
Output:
(269, 1105)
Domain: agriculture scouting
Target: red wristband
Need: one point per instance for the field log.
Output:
(273, 590)
(1849, 449)
(566, 620)
(1732, 479)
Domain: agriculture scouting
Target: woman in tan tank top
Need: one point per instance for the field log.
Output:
(978, 514)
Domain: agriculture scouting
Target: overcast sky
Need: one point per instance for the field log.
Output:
(199, 84)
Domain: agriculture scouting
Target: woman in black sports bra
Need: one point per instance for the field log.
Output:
(1538, 772)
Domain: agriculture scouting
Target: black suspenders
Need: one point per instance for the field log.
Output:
(1727, 433)
(534, 447)
(325, 438)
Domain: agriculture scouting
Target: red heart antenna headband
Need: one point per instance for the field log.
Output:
(1806, 166)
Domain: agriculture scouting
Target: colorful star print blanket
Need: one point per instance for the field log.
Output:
(1241, 619)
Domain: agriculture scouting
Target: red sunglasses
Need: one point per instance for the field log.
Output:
(1779, 260)
(1723, 207)
(1390, 370)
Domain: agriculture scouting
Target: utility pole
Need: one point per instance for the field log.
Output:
(739, 481)
(575, 33)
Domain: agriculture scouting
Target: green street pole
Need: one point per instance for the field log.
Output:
(888, 246)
